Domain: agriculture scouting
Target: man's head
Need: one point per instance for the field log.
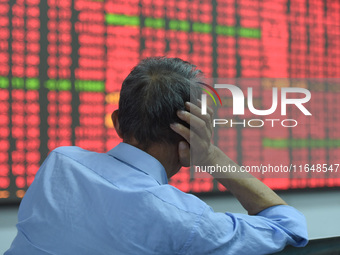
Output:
(150, 97)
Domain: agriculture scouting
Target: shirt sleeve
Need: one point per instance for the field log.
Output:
(233, 233)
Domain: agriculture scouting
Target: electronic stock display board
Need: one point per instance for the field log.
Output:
(62, 63)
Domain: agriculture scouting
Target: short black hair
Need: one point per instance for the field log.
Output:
(151, 95)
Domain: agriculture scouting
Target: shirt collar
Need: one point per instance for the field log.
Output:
(137, 158)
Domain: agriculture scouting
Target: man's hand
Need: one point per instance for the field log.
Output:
(254, 195)
(197, 138)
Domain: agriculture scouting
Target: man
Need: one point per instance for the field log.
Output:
(119, 202)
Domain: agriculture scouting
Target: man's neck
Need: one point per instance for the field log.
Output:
(166, 154)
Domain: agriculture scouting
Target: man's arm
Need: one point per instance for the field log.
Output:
(254, 195)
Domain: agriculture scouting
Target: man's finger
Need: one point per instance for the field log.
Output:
(181, 130)
(210, 111)
(195, 110)
(197, 125)
(185, 132)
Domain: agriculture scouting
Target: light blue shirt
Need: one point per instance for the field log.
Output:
(119, 202)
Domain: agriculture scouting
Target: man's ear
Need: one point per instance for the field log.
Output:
(114, 117)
